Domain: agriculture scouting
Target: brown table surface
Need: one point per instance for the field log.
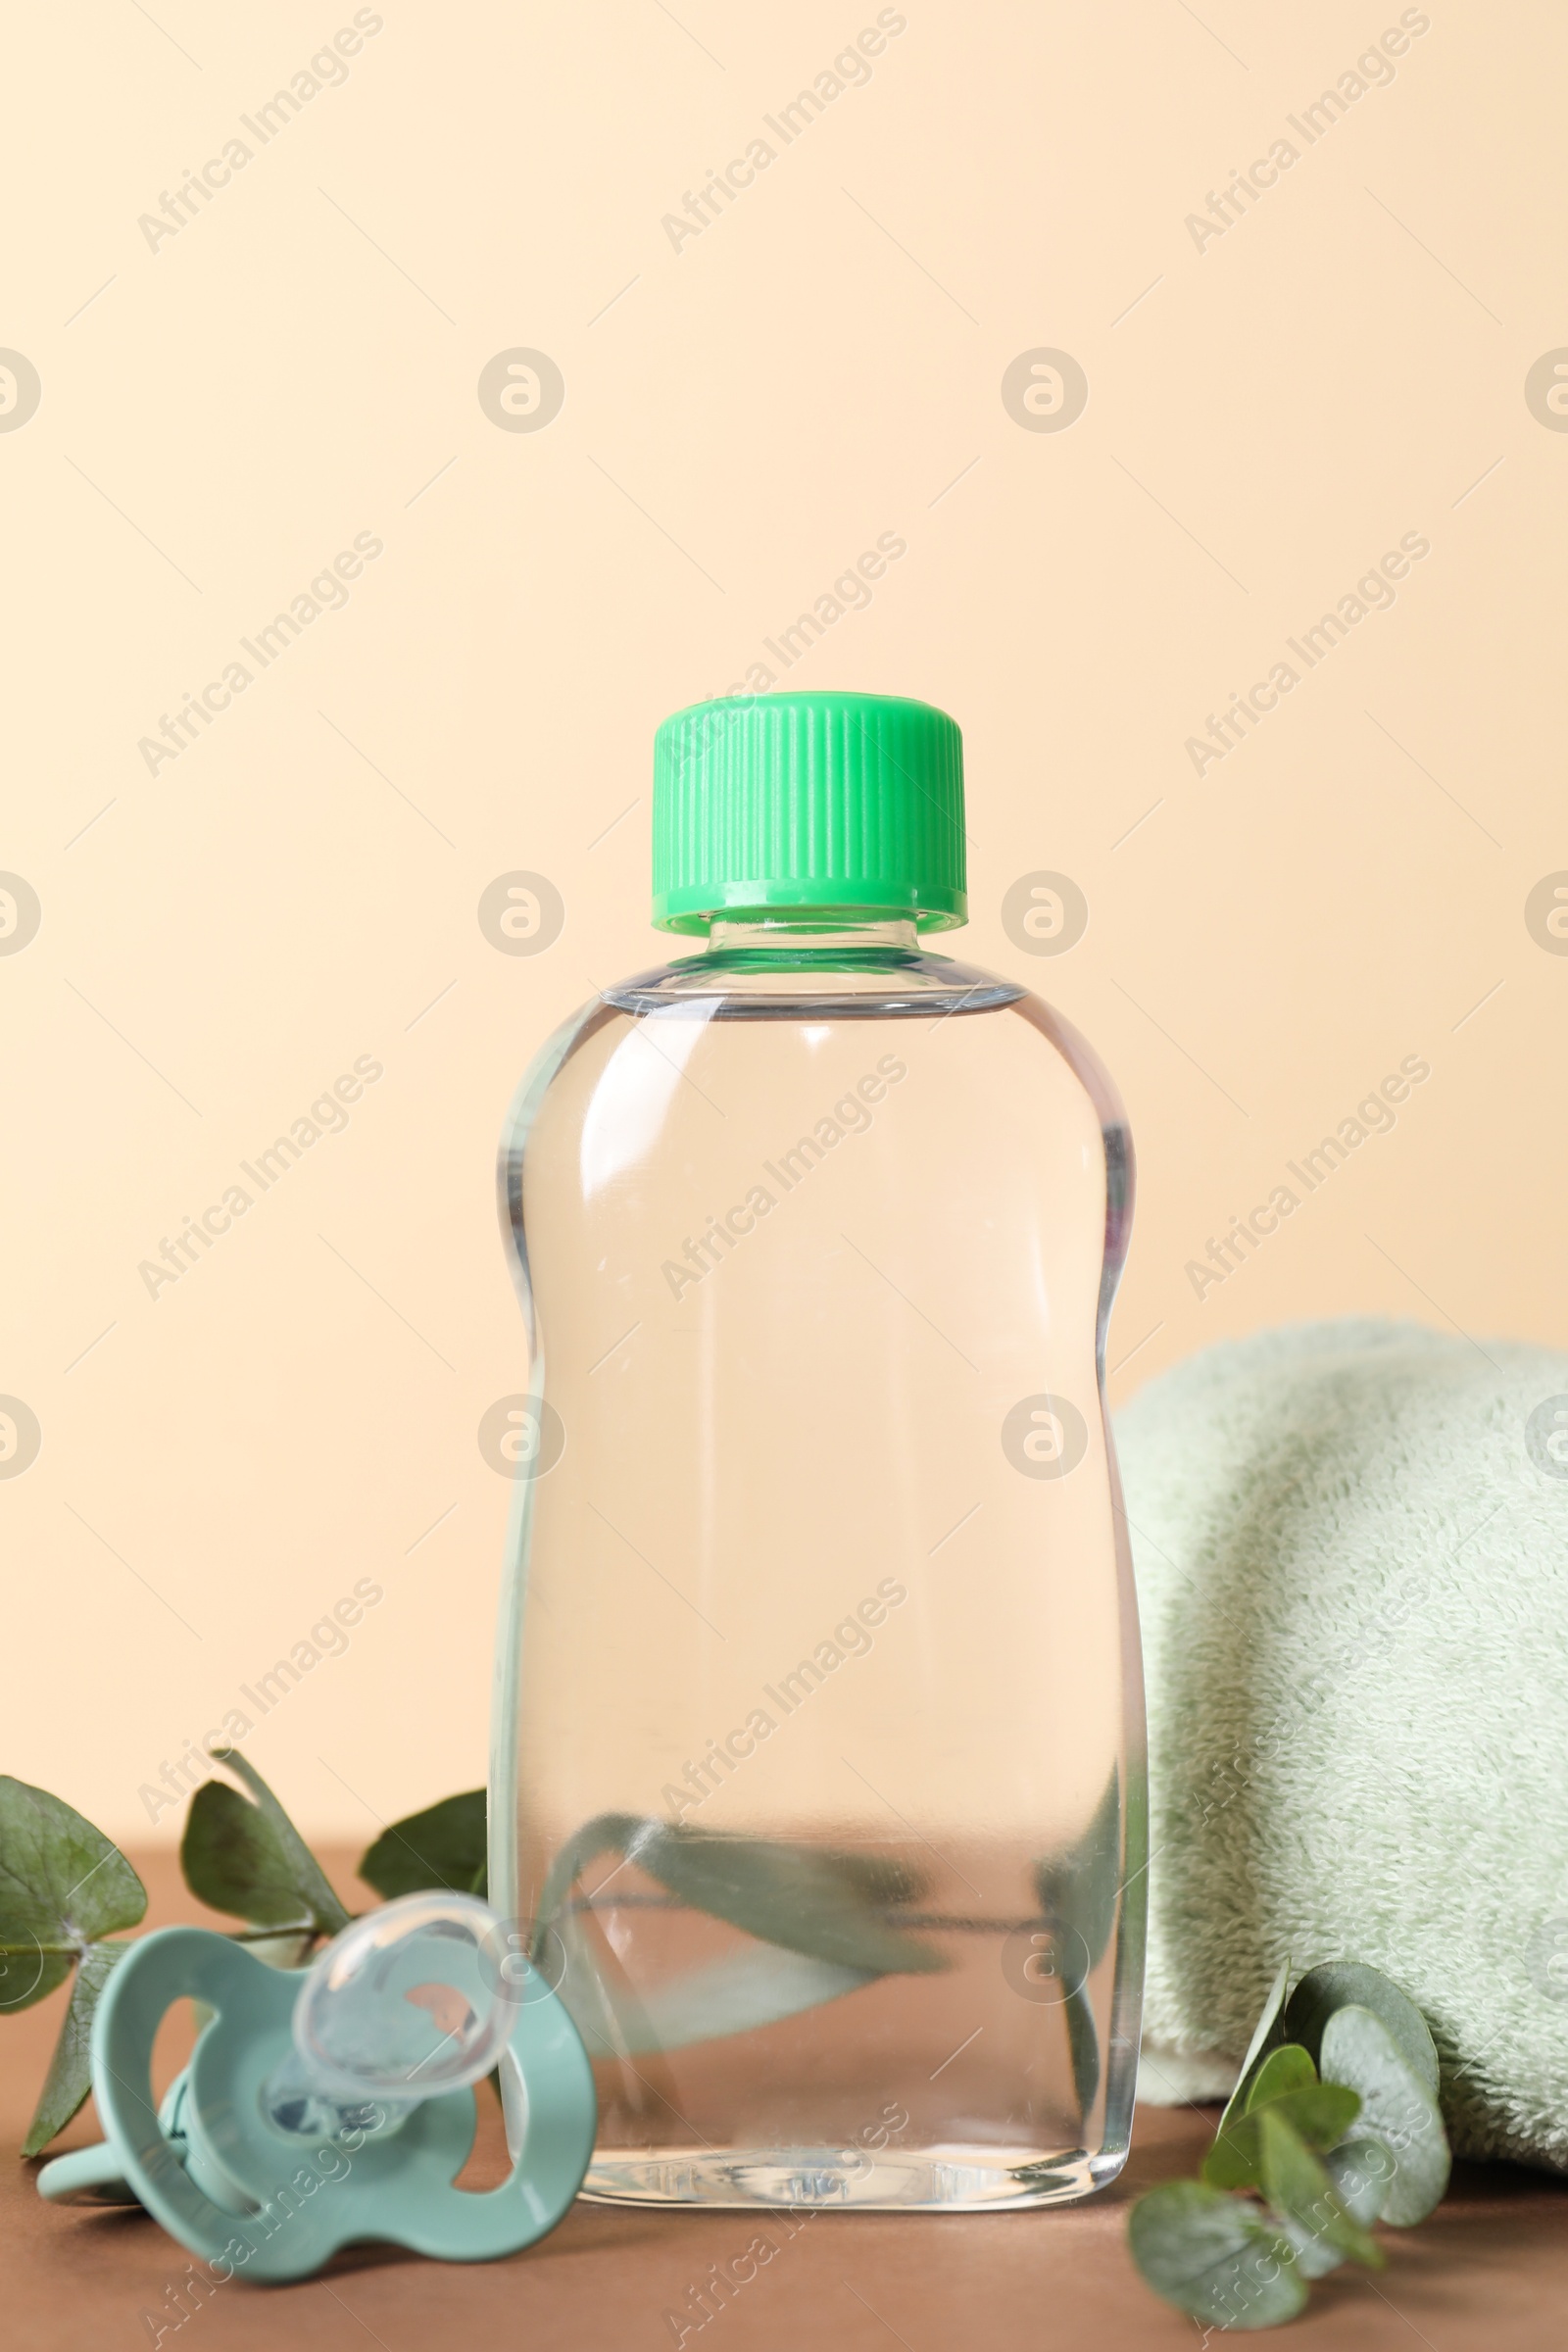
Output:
(1490, 2270)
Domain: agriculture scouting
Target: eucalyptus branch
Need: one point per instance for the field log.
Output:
(1332, 2126)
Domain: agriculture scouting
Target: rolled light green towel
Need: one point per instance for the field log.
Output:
(1352, 1549)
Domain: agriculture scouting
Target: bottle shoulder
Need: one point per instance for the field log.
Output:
(806, 983)
(805, 989)
(849, 984)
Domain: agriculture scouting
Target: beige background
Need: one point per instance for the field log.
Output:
(220, 941)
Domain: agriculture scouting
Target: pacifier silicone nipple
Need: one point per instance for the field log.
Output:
(406, 2003)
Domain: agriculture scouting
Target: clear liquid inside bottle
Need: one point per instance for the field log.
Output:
(819, 1765)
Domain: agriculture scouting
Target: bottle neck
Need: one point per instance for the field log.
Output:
(825, 930)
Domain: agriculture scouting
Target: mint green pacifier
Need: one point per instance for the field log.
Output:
(331, 2105)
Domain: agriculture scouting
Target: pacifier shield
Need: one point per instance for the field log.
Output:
(259, 2201)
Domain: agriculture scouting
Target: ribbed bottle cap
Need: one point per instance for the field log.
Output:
(809, 800)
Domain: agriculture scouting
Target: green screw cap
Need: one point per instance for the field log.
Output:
(796, 801)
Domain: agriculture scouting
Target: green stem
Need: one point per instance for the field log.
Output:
(298, 1927)
(74, 1951)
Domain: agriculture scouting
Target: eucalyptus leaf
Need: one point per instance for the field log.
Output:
(263, 1856)
(744, 1991)
(802, 1898)
(442, 1846)
(1078, 1887)
(882, 1878)
(1306, 2202)
(63, 1884)
(1215, 2256)
(234, 1860)
(607, 2009)
(28, 1972)
(1077, 1891)
(605, 1833)
(1397, 2109)
(1339, 1984)
(1319, 2114)
(1266, 2035)
(733, 1995)
(1287, 2068)
(1044, 2174)
(70, 2078)
(1314, 2254)
(1083, 2045)
(1361, 2171)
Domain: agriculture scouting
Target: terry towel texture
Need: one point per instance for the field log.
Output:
(1351, 1553)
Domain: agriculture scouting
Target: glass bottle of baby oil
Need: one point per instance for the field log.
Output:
(818, 1760)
